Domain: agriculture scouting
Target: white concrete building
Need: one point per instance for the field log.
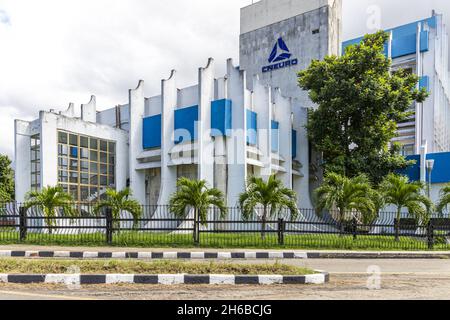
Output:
(222, 129)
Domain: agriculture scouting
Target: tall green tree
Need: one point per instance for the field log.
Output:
(346, 195)
(196, 195)
(119, 201)
(400, 192)
(271, 195)
(50, 201)
(359, 104)
(6, 179)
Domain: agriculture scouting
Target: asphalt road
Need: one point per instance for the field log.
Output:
(350, 280)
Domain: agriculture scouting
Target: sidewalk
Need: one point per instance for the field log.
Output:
(180, 253)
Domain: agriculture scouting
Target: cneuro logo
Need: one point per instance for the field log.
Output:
(280, 57)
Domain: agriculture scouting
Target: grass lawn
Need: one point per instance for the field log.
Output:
(228, 241)
(30, 266)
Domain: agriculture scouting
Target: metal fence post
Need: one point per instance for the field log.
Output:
(281, 229)
(109, 225)
(355, 228)
(430, 233)
(23, 223)
(196, 228)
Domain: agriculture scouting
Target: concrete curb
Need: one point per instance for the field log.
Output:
(154, 255)
(164, 279)
(376, 255)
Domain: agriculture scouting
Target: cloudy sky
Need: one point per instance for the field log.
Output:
(53, 52)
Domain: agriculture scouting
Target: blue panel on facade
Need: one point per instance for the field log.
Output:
(221, 117)
(151, 132)
(412, 172)
(294, 144)
(424, 82)
(275, 136)
(424, 41)
(73, 152)
(441, 170)
(185, 120)
(404, 39)
(252, 127)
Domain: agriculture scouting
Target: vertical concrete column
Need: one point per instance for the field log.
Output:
(137, 109)
(283, 114)
(419, 106)
(22, 157)
(262, 105)
(169, 98)
(236, 142)
(205, 142)
(49, 149)
(301, 185)
(89, 110)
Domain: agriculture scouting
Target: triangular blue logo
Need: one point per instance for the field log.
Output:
(280, 51)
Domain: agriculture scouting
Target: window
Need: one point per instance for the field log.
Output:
(407, 150)
(35, 150)
(86, 165)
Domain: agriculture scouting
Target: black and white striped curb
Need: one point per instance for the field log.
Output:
(154, 255)
(164, 279)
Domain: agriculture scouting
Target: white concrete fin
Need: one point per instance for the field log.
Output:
(89, 110)
(70, 111)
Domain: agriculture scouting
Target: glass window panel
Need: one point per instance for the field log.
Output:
(111, 181)
(63, 162)
(93, 192)
(63, 176)
(103, 157)
(84, 142)
(84, 178)
(112, 159)
(73, 177)
(73, 140)
(84, 153)
(94, 156)
(94, 179)
(74, 192)
(74, 152)
(94, 167)
(93, 143)
(84, 166)
(62, 137)
(103, 169)
(73, 165)
(62, 150)
(84, 193)
(112, 147)
(103, 145)
(111, 170)
(103, 181)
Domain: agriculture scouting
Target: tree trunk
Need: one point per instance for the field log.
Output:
(264, 221)
(397, 225)
(341, 222)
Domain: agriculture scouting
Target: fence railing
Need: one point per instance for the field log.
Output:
(158, 227)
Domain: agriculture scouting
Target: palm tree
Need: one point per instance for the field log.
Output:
(49, 200)
(195, 194)
(271, 195)
(347, 195)
(444, 201)
(119, 201)
(402, 193)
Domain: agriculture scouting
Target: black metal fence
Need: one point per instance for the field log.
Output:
(158, 227)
